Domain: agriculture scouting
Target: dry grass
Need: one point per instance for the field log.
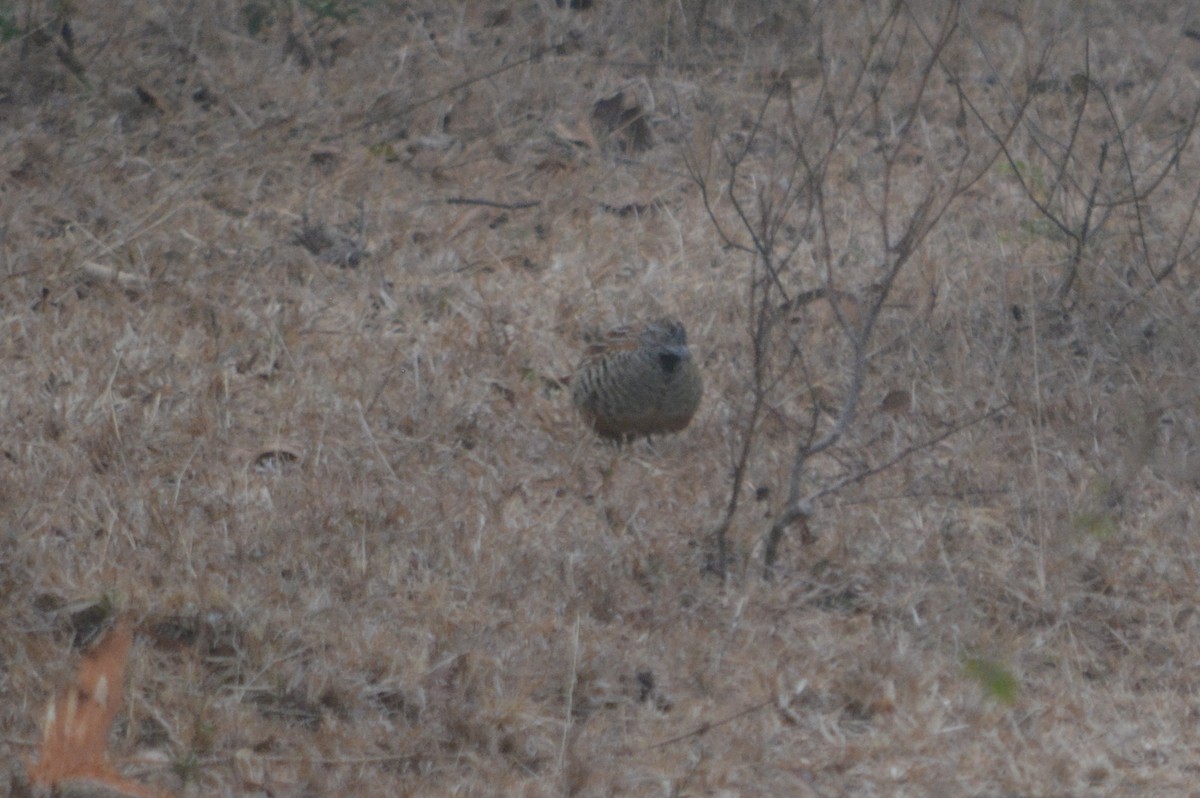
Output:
(372, 551)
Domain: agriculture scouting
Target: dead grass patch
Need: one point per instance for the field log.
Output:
(367, 545)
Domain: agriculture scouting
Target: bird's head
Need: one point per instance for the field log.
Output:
(668, 339)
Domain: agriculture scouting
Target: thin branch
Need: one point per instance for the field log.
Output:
(508, 206)
(903, 454)
(705, 728)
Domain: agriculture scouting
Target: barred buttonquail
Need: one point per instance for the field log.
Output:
(638, 381)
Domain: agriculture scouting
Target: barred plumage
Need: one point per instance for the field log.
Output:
(638, 381)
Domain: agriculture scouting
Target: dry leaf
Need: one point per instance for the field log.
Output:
(581, 135)
(621, 123)
(897, 402)
(74, 755)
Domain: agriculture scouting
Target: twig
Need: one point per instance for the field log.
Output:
(125, 279)
(705, 728)
(867, 473)
(508, 206)
(462, 84)
(374, 443)
(572, 676)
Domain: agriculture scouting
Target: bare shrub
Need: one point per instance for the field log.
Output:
(766, 186)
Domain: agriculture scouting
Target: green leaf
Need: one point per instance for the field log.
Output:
(996, 680)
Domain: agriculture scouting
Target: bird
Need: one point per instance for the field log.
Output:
(638, 380)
